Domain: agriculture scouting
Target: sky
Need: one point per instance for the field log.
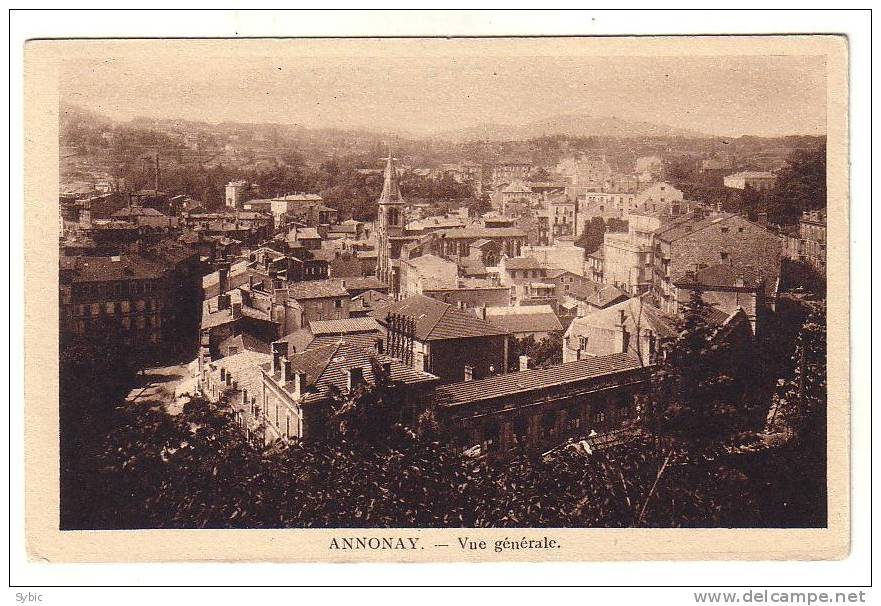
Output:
(727, 96)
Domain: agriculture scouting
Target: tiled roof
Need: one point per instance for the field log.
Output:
(367, 340)
(523, 263)
(344, 326)
(299, 340)
(482, 232)
(353, 283)
(724, 275)
(371, 298)
(103, 269)
(244, 342)
(244, 368)
(317, 289)
(436, 320)
(638, 315)
(456, 394)
(303, 233)
(752, 174)
(137, 211)
(327, 367)
(607, 295)
(526, 318)
(428, 263)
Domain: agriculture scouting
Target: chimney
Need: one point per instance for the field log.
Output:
(354, 376)
(279, 350)
(235, 385)
(621, 316)
(237, 310)
(223, 301)
(524, 363)
(223, 274)
(738, 281)
(285, 370)
(299, 383)
(483, 312)
(469, 373)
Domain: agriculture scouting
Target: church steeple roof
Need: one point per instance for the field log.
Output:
(391, 192)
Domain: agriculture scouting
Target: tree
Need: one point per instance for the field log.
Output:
(592, 237)
(799, 187)
(695, 398)
(479, 205)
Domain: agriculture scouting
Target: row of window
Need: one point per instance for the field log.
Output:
(551, 424)
(114, 307)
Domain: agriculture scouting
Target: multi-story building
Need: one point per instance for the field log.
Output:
(537, 409)
(627, 264)
(757, 180)
(509, 171)
(298, 389)
(700, 240)
(633, 327)
(235, 193)
(427, 272)
(562, 217)
(150, 299)
(812, 239)
(455, 244)
(442, 339)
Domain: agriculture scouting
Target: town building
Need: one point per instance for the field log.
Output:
(725, 288)
(509, 171)
(634, 327)
(427, 272)
(149, 299)
(238, 379)
(700, 240)
(442, 339)
(562, 217)
(537, 409)
(757, 180)
(809, 243)
(454, 244)
(537, 321)
(235, 194)
(298, 389)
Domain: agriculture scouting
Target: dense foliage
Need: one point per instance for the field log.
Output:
(145, 468)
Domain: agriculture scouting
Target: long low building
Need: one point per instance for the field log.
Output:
(539, 408)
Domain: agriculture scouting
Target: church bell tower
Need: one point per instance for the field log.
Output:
(390, 221)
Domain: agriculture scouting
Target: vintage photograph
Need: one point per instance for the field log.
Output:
(440, 284)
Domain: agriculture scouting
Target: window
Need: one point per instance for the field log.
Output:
(725, 230)
(724, 256)
(338, 303)
(521, 430)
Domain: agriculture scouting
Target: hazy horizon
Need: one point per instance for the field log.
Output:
(766, 96)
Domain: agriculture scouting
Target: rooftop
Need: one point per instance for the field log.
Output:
(326, 369)
(344, 326)
(482, 232)
(436, 320)
(467, 392)
(522, 263)
(524, 318)
(317, 289)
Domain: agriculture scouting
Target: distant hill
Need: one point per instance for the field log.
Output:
(577, 125)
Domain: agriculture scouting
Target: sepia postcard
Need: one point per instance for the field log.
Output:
(437, 299)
